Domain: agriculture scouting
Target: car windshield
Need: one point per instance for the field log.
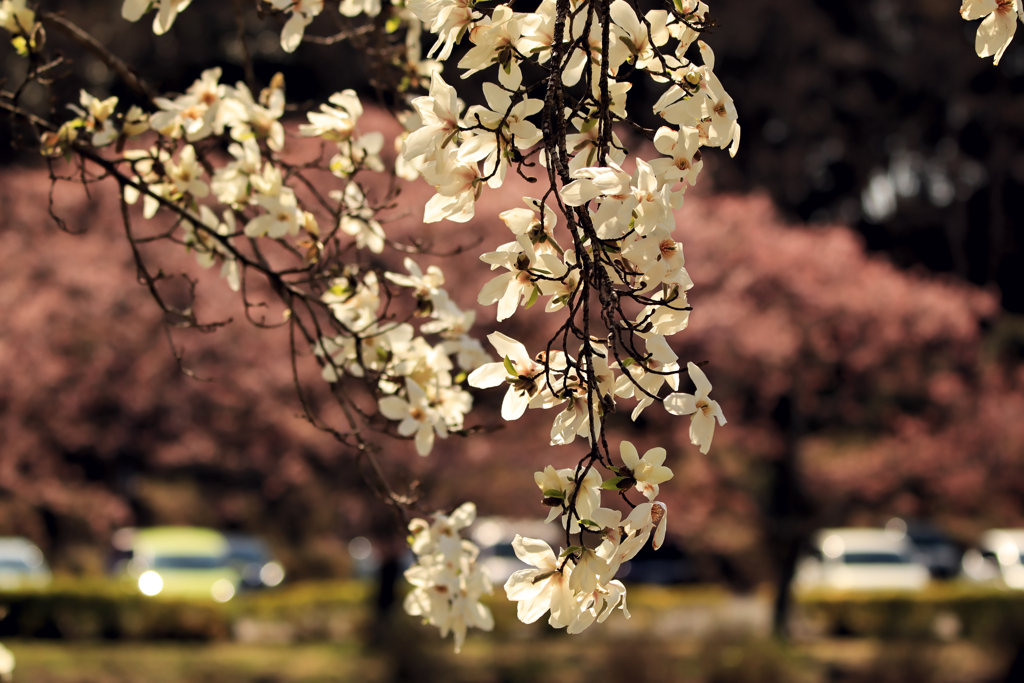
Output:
(874, 557)
(15, 565)
(504, 550)
(187, 562)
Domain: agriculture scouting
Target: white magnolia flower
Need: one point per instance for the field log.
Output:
(186, 172)
(442, 536)
(439, 121)
(167, 12)
(599, 605)
(498, 41)
(704, 410)
(17, 18)
(353, 8)
(530, 222)
(417, 416)
(669, 314)
(635, 42)
(248, 117)
(661, 360)
(283, 214)
(196, 114)
(425, 285)
(359, 219)
(518, 370)
(209, 250)
(557, 487)
(585, 145)
(232, 183)
(597, 181)
(335, 123)
(447, 580)
(449, 19)
(515, 286)
(648, 471)
(458, 187)
(658, 257)
(996, 32)
(591, 570)
(644, 520)
(511, 131)
(145, 164)
(99, 114)
(682, 146)
(354, 302)
(302, 13)
(544, 588)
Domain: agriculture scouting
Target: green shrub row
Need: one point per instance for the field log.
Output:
(92, 610)
(981, 613)
(338, 610)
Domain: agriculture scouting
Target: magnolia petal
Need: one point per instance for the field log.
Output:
(661, 526)
(681, 404)
(463, 516)
(699, 380)
(514, 404)
(424, 439)
(488, 375)
(702, 430)
(393, 407)
(629, 455)
(530, 610)
(973, 9)
(482, 617)
(535, 552)
(507, 346)
(409, 426)
(579, 192)
(494, 290)
(655, 457)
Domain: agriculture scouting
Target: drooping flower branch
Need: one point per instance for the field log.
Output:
(597, 242)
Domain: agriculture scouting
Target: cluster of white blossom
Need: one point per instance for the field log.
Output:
(447, 581)
(300, 13)
(414, 376)
(616, 278)
(613, 273)
(578, 586)
(621, 226)
(999, 25)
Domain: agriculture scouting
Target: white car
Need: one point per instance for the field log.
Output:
(998, 556)
(861, 559)
(22, 564)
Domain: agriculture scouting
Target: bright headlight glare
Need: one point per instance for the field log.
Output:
(150, 583)
(222, 590)
(272, 574)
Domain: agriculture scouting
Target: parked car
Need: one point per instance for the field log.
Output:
(22, 564)
(861, 559)
(997, 558)
(189, 562)
(667, 565)
(494, 536)
(932, 547)
(252, 559)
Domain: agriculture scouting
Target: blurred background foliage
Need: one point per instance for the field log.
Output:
(859, 295)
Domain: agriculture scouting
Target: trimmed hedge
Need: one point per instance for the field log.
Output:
(983, 613)
(98, 609)
(339, 610)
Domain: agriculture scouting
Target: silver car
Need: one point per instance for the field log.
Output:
(22, 564)
(861, 559)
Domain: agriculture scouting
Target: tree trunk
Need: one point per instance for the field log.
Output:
(788, 511)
